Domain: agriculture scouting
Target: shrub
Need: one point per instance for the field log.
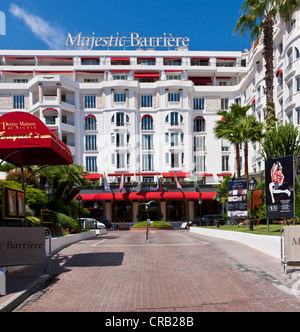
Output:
(63, 225)
(33, 221)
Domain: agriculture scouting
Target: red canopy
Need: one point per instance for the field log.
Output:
(26, 140)
(147, 196)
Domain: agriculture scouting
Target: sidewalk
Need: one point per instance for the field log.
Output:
(189, 262)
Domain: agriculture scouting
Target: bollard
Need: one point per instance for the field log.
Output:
(2, 281)
(148, 239)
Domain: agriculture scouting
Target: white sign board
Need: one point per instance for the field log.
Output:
(22, 246)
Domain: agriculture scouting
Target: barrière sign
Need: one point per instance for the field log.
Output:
(134, 40)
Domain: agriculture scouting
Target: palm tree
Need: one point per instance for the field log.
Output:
(247, 129)
(66, 180)
(259, 17)
(223, 128)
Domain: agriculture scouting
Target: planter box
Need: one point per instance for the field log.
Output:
(267, 244)
(60, 242)
(152, 228)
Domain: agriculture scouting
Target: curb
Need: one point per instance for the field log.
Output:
(19, 297)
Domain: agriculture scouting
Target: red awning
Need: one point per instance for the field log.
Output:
(120, 59)
(43, 58)
(172, 58)
(200, 79)
(89, 72)
(119, 71)
(26, 140)
(174, 71)
(231, 59)
(93, 176)
(147, 196)
(179, 175)
(224, 174)
(146, 75)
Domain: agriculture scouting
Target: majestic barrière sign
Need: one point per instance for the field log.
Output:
(134, 40)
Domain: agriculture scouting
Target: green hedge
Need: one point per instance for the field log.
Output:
(153, 224)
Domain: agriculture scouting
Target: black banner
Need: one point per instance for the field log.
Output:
(237, 199)
(279, 175)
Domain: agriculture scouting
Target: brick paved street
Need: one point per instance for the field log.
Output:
(176, 272)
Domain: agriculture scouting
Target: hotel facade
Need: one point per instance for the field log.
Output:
(145, 114)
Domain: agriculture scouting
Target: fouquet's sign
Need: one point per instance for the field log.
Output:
(134, 40)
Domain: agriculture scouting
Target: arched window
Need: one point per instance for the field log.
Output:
(199, 124)
(147, 122)
(90, 122)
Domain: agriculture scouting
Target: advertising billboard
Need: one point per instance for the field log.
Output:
(279, 175)
(237, 199)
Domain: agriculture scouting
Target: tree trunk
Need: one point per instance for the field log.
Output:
(246, 159)
(269, 78)
(238, 162)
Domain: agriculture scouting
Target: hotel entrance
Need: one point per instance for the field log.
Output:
(176, 210)
(122, 211)
(154, 211)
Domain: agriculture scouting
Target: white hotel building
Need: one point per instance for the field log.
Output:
(147, 112)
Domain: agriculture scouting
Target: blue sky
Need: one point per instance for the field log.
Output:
(37, 24)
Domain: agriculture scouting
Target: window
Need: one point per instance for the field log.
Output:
(147, 123)
(174, 139)
(50, 119)
(225, 145)
(172, 62)
(199, 62)
(90, 142)
(120, 119)
(174, 97)
(298, 115)
(90, 62)
(120, 140)
(20, 80)
(120, 77)
(90, 101)
(173, 77)
(90, 80)
(120, 62)
(198, 103)
(146, 101)
(298, 83)
(174, 160)
(224, 103)
(199, 124)
(147, 162)
(120, 160)
(199, 143)
(19, 102)
(147, 142)
(174, 119)
(148, 62)
(120, 97)
(297, 53)
(90, 123)
(199, 164)
(225, 163)
(91, 164)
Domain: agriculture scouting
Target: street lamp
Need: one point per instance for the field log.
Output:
(79, 201)
(252, 187)
(200, 201)
(48, 188)
(218, 199)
